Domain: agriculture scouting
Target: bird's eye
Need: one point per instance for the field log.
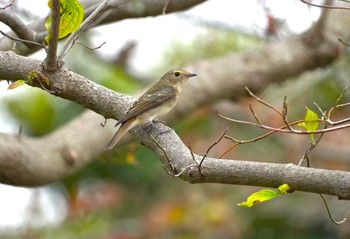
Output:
(177, 73)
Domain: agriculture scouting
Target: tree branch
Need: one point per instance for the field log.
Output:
(25, 160)
(19, 28)
(117, 10)
(51, 61)
(75, 35)
(232, 73)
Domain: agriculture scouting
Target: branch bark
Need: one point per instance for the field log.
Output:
(25, 160)
(51, 59)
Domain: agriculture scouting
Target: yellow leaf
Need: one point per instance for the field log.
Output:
(283, 189)
(260, 196)
(311, 122)
(264, 195)
(72, 14)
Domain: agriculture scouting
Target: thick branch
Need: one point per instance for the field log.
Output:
(227, 76)
(67, 85)
(219, 77)
(227, 171)
(256, 69)
(33, 162)
(117, 10)
(25, 160)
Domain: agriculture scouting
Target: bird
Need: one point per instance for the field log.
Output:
(158, 100)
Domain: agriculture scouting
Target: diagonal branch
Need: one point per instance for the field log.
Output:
(20, 29)
(254, 69)
(24, 161)
(29, 166)
(75, 35)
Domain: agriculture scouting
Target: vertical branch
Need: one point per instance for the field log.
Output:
(320, 25)
(51, 59)
(75, 35)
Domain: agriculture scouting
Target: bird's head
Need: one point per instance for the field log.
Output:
(177, 77)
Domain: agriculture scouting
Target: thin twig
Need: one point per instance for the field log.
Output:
(22, 40)
(165, 7)
(8, 5)
(208, 150)
(192, 154)
(285, 113)
(164, 152)
(44, 87)
(329, 212)
(263, 102)
(229, 149)
(343, 105)
(336, 103)
(325, 6)
(308, 151)
(75, 35)
(104, 123)
(254, 114)
(314, 144)
(199, 165)
(238, 142)
(187, 167)
(287, 131)
(323, 113)
(89, 47)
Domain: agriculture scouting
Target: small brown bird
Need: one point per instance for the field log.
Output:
(155, 102)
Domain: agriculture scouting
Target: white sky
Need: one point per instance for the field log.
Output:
(245, 14)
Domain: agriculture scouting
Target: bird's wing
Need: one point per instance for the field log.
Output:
(149, 100)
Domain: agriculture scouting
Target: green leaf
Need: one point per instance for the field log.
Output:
(264, 195)
(310, 123)
(72, 14)
(33, 75)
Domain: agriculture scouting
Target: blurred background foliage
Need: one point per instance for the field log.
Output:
(126, 193)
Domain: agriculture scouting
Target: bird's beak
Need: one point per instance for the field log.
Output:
(191, 74)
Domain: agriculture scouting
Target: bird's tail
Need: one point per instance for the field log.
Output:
(124, 127)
